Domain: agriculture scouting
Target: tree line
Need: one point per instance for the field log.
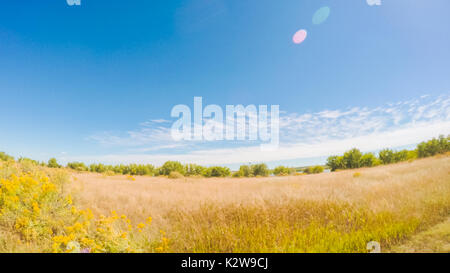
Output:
(355, 159)
(351, 159)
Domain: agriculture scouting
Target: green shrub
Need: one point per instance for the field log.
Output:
(52, 163)
(400, 156)
(260, 170)
(28, 161)
(175, 175)
(195, 170)
(318, 169)
(253, 170)
(134, 169)
(369, 160)
(282, 170)
(313, 169)
(98, 168)
(433, 147)
(352, 159)
(5, 157)
(217, 171)
(78, 166)
(236, 174)
(335, 163)
(172, 166)
(412, 154)
(245, 171)
(386, 156)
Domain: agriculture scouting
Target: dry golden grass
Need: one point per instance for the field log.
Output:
(419, 189)
(379, 188)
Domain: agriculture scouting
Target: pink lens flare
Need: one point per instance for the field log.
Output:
(299, 36)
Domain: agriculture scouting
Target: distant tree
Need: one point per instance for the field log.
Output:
(282, 170)
(245, 171)
(217, 171)
(386, 156)
(433, 147)
(52, 163)
(172, 166)
(400, 156)
(100, 168)
(175, 175)
(194, 170)
(412, 154)
(236, 174)
(335, 163)
(5, 157)
(27, 160)
(318, 169)
(78, 166)
(352, 159)
(313, 169)
(133, 169)
(260, 170)
(369, 160)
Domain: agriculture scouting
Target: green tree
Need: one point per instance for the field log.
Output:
(433, 147)
(5, 157)
(412, 154)
(369, 160)
(335, 163)
(245, 171)
(217, 171)
(172, 166)
(282, 170)
(195, 170)
(313, 169)
(352, 159)
(52, 163)
(260, 170)
(78, 166)
(28, 161)
(386, 156)
(99, 168)
(400, 156)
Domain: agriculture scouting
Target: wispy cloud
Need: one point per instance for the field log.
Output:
(375, 141)
(302, 135)
(374, 2)
(359, 121)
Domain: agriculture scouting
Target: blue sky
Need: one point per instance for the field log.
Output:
(95, 82)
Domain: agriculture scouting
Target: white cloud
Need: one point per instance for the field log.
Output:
(358, 121)
(160, 120)
(305, 135)
(374, 2)
(394, 138)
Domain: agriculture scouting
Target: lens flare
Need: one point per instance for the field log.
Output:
(321, 15)
(299, 36)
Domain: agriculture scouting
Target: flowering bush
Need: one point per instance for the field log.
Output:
(34, 208)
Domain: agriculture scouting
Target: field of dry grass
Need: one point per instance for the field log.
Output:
(418, 190)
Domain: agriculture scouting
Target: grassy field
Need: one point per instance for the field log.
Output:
(404, 206)
(329, 212)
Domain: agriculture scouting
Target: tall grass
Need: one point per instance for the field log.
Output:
(293, 226)
(41, 211)
(333, 212)
(297, 226)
